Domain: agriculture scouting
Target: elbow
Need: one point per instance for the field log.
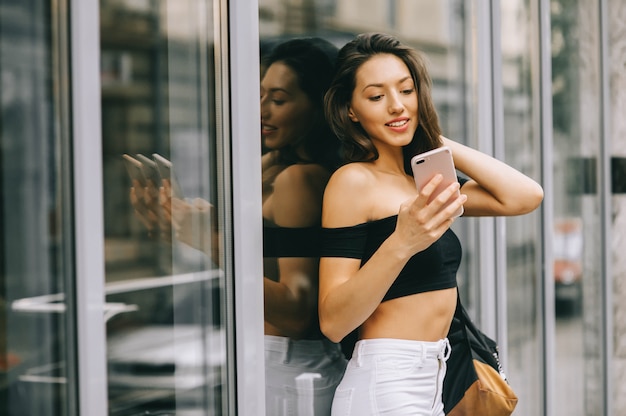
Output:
(330, 333)
(330, 329)
(533, 199)
(526, 201)
(538, 195)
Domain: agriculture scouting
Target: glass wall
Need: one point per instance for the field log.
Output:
(577, 237)
(574, 237)
(37, 356)
(520, 147)
(164, 199)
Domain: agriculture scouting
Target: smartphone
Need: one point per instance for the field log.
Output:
(166, 171)
(426, 165)
(134, 169)
(149, 169)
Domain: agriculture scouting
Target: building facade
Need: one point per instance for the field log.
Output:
(103, 311)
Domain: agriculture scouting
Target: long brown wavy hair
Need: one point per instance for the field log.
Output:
(356, 143)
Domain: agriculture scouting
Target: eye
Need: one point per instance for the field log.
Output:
(376, 98)
(278, 102)
(408, 91)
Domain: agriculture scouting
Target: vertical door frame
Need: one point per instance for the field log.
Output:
(245, 133)
(487, 81)
(605, 195)
(88, 207)
(545, 266)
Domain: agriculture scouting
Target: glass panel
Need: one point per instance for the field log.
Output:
(164, 227)
(36, 342)
(577, 234)
(523, 240)
(439, 29)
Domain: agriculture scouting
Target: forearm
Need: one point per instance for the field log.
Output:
(513, 192)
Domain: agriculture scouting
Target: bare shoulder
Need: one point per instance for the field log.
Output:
(298, 192)
(352, 174)
(347, 200)
(306, 175)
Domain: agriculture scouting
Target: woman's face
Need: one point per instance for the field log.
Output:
(286, 111)
(384, 101)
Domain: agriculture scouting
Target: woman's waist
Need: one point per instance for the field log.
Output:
(421, 317)
(401, 348)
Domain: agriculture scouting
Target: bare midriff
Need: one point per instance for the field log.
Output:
(420, 317)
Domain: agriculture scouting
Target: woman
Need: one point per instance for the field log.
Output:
(388, 268)
(301, 153)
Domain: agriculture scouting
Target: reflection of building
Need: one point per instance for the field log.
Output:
(179, 77)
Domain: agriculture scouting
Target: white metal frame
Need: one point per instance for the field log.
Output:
(88, 207)
(606, 204)
(244, 72)
(545, 265)
(488, 83)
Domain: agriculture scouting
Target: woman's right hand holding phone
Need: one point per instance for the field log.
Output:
(421, 223)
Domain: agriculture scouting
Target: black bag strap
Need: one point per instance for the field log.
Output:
(482, 347)
(461, 314)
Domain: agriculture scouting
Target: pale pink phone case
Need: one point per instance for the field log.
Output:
(426, 165)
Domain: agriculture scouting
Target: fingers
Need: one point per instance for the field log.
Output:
(167, 186)
(450, 195)
(165, 200)
(133, 196)
(424, 219)
(431, 186)
(434, 198)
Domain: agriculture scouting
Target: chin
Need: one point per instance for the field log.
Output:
(271, 143)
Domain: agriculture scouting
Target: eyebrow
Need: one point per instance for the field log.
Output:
(277, 89)
(380, 85)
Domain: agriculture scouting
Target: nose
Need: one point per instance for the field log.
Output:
(264, 108)
(395, 103)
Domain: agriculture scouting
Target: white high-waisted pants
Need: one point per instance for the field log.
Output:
(301, 376)
(393, 377)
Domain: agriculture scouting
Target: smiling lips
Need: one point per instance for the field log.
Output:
(265, 129)
(399, 124)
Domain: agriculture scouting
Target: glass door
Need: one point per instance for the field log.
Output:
(165, 193)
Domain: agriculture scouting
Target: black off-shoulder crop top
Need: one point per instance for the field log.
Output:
(432, 269)
(291, 242)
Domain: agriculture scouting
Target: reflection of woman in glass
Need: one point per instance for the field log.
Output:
(302, 367)
(389, 262)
